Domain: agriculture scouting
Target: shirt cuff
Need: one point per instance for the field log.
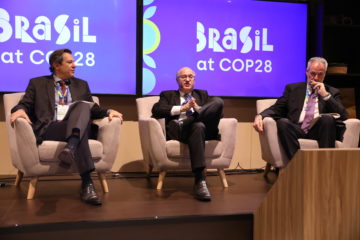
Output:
(327, 97)
(175, 110)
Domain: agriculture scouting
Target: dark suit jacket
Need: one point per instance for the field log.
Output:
(168, 99)
(290, 104)
(39, 102)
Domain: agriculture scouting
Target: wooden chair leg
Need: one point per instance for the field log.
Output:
(223, 177)
(267, 169)
(149, 171)
(19, 178)
(160, 182)
(32, 187)
(103, 182)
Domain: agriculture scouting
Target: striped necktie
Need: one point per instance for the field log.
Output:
(187, 99)
(309, 115)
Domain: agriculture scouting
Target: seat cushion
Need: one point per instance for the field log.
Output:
(313, 144)
(176, 149)
(308, 143)
(49, 150)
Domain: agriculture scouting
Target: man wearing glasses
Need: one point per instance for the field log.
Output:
(300, 103)
(191, 117)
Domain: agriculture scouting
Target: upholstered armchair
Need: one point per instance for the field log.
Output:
(34, 160)
(272, 151)
(163, 155)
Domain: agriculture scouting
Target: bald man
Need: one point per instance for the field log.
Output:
(191, 117)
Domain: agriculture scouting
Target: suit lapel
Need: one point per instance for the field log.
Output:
(176, 98)
(322, 102)
(301, 96)
(298, 102)
(51, 91)
(195, 95)
(73, 86)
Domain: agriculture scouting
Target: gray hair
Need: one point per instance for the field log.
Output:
(317, 59)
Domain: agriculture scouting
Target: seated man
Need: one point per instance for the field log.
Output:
(192, 117)
(60, 108)
(300, 104)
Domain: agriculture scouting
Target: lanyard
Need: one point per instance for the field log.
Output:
(62, 96)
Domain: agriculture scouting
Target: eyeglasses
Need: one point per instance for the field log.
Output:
(319, 74)
(190, 76)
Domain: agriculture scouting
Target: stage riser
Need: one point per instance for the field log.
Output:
(203, 227)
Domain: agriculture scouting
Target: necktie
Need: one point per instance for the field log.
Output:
(309, 115)
(187, 98)
(63, 99)
(62, 87)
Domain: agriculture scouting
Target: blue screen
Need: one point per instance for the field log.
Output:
(101, 35)
(236, 47)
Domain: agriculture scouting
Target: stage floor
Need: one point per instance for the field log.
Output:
(130, 198)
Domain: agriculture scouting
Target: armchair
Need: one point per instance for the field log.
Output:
(165, 155)
(34, 160)
(272, 151)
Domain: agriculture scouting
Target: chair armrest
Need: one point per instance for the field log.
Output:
(271, 150)
(27, 148)
(227, 128)
(109, 136)
(351, 134)
(157, 141)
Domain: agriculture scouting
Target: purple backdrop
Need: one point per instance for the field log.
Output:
(264, 46)
(102, 38)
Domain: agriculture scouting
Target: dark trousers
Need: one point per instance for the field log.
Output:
(78, 117)
(324, 132)
(194, 130)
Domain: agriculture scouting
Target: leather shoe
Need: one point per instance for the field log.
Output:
(66, 156)
(89, 196)
(201, 192)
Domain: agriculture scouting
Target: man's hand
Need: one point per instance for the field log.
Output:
(190, 104)
(19, 114)
(258, 124)
(319, 87)
(113, 113)
(197, 107)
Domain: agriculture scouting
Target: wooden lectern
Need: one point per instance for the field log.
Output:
(316, 197)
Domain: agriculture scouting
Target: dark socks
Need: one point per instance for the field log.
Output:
(73, 142)
(199, 174)
(86, 179)
(74, 139)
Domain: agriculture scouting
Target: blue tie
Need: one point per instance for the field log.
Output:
(187, 98)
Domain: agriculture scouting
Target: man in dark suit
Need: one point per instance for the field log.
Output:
(300, 104)
(60, 108)
(192, 117)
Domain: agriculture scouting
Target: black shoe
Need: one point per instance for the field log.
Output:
(201, 192)
(89, 195)
(66, 157)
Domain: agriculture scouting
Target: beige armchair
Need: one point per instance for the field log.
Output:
(163, 155)
(34, 160)
(272, 151)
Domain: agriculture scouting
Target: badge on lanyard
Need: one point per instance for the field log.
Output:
(61, 111)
